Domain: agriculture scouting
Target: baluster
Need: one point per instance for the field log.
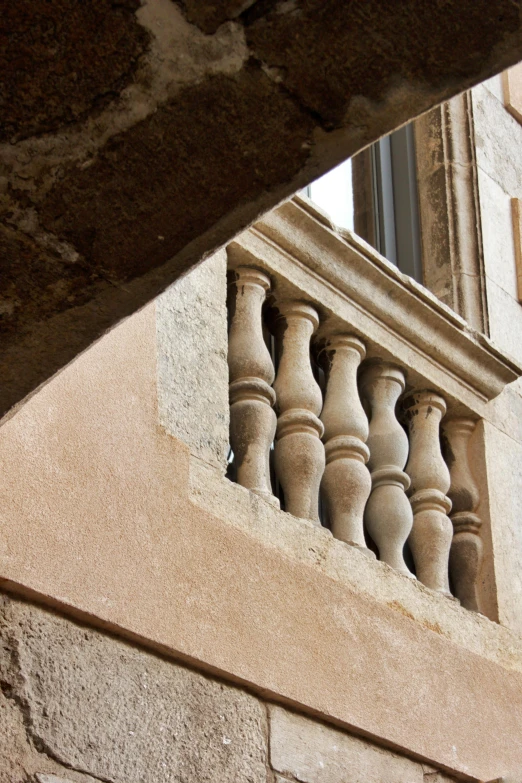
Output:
(346, 481)
(299, 453)
(466, 551)
(252, 419)
(432, 532)
(388, 515)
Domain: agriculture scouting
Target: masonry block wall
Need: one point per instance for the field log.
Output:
(498, 138)
(78, 706)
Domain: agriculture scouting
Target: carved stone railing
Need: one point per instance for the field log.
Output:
(466, 549)
(346, 482)
(252, 419)
(388, 513)
(399, 369)
(299, 453)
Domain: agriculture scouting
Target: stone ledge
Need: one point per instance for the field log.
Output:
(309, 545)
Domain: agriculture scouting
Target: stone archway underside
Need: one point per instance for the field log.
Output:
(137, 138)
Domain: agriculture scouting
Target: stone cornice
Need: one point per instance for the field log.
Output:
(396, 317)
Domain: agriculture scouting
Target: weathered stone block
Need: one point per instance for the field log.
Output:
(110, 710)
(13, 742)
(191, 323)
(314, 753)
(495, 131)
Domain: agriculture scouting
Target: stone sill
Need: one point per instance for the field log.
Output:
(310, 545)
(354, 286)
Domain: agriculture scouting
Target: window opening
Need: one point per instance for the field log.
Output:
(333, 192)
(382, 205)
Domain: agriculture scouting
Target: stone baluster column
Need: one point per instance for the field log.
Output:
(466, 551)
(432, 532)
(252, 418)
(346, 482)
(388, 514)
(299, 452)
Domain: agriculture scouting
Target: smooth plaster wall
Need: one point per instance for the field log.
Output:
(498, 138)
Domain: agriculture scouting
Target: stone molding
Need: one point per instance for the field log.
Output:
(451, 233)
(398, 319)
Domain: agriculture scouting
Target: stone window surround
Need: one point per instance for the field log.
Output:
(451, 233)
(449, 213)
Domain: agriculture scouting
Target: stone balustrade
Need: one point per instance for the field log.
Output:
(360, 452)
(346, 482)
(430, 538)
(251, 372)
(388, 513)
(299, 453)
(466, 552)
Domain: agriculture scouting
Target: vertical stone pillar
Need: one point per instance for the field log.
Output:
(299, 452)
(431, 535)
(346, 482)
(388, 514)
(466, 552)
(251, 372)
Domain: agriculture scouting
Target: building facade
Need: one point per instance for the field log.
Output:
(185, 601)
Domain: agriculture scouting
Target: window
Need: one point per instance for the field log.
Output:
(375, 195)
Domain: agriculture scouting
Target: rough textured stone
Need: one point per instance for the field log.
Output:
(499, 138)
(21, 758)
(112, 711)
(148, 127)
(494, 85)
(321, 64)
(107, 204)
(14, 750)
(191, 327)
(314, 753)
(59, 60)
(209, 15)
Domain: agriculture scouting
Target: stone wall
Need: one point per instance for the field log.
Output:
(498, 138)
(77, 705)
(192, 368)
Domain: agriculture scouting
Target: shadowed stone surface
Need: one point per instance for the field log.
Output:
(149, 194)
(139, 139)
(59, 60)
(328, 64)
(112, 711)
(210, 15)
